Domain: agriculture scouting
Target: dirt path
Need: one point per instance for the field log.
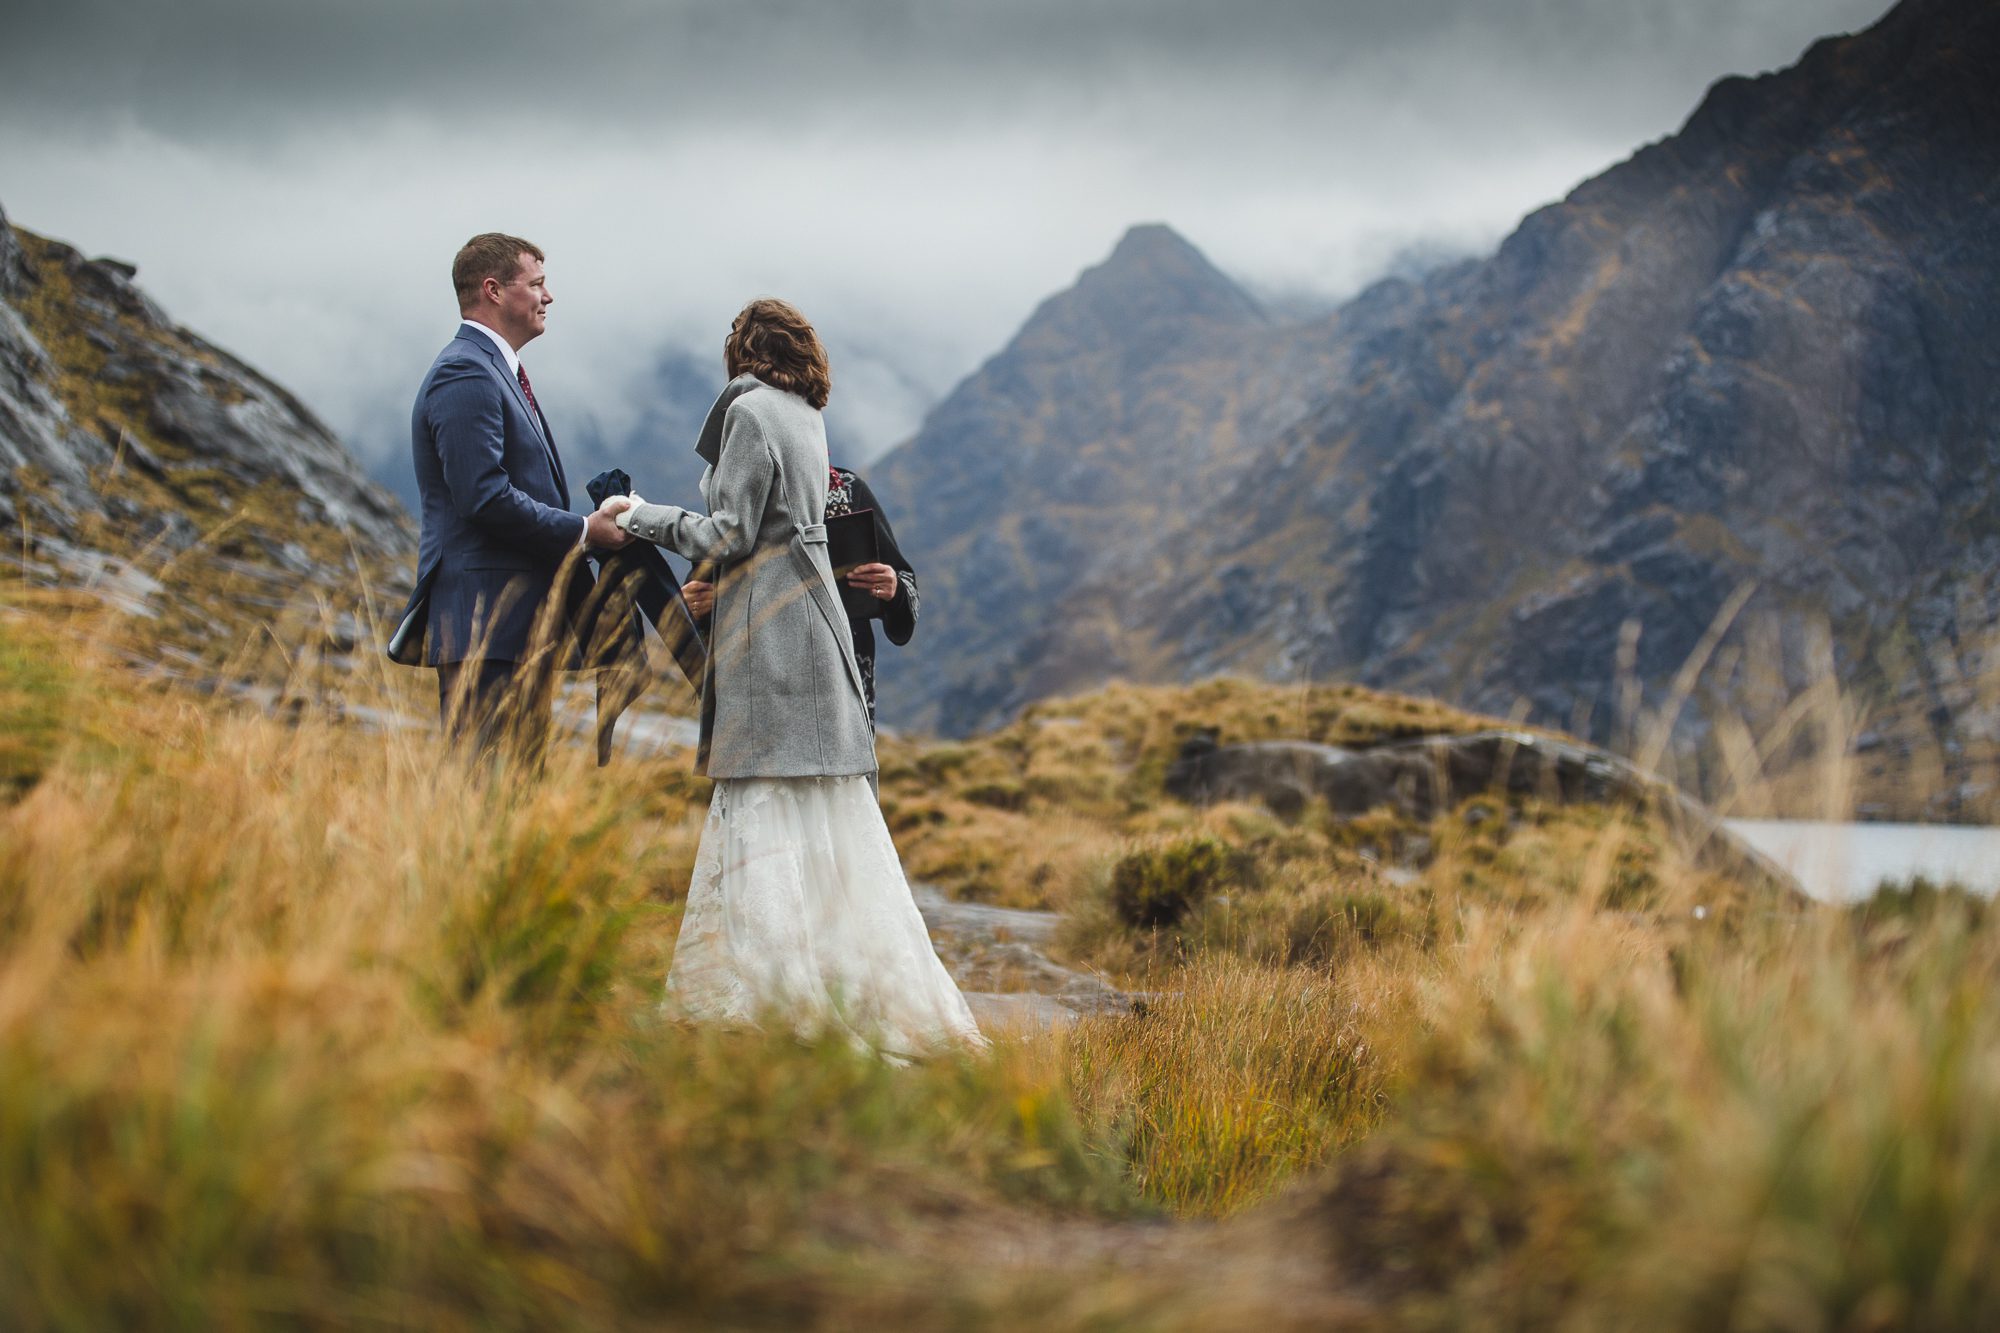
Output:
(998, 956)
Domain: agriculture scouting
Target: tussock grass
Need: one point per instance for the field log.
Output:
(33, 699)
(1232, 1084)
(303, 1025)
(1788, 1127)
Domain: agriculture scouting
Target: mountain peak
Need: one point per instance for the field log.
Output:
(1152, 242)
(1153, 292)
(1155, 273)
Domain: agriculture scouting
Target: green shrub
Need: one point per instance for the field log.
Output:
(1372, 919)
(1154, 887)
(1311, 924)
(999, 795)
(1919, 899)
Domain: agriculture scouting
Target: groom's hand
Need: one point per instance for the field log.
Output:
(602, 531)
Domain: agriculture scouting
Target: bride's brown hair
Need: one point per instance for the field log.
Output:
(773, 341)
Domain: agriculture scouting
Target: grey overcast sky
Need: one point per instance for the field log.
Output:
(292, 178)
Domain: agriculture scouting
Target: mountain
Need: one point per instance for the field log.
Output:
(130, 447)
(1758, 354)
(1104, 417)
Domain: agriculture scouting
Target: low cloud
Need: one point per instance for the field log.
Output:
(293, 179)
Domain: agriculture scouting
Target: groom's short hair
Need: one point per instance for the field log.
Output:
(490, 254)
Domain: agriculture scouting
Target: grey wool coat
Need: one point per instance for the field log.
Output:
(782, 696)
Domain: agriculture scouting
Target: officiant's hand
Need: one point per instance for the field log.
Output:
(700, 598)
(877, 579)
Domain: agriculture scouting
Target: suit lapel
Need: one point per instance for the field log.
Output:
(535, 418)
(499, 364)
(549, 438)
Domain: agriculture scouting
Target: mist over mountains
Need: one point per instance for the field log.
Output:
(295, 178)
(1757, 354)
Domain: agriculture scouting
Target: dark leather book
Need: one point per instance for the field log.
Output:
(851, 542)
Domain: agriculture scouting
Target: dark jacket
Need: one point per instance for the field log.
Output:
(899, 614)
(494, 505)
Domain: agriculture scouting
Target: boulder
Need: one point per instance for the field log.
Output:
(1420, 778)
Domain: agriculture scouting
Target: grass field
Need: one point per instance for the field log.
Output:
(302, 1027)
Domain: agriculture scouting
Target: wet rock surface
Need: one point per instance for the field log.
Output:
(998, 956)
(1416, 778)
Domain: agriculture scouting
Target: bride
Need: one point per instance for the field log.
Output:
(798, 905)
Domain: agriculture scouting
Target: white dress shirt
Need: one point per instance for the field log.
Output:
(506, 348)
(514, 365)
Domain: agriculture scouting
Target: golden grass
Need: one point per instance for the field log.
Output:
(1786, 1128)
(304, 1024)
(307, 1026)
(1234, 1082)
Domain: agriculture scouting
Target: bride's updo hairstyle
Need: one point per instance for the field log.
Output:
(773, 341)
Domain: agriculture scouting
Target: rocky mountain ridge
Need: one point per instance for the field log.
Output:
(1106, 416)
(1757, 356)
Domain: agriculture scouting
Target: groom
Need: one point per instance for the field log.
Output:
(499, 542)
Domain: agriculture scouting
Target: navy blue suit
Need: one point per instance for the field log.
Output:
(496, 519)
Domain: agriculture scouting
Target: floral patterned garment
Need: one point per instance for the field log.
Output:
(845, 493)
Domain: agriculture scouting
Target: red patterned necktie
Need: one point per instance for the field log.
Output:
(522, 372)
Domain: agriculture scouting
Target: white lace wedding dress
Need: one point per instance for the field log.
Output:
(798, 912)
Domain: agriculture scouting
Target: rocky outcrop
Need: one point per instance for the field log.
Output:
(1421, 778)
(1414, 778)
(998, 956)
(121, 432)
(36, 430)
(13, 266)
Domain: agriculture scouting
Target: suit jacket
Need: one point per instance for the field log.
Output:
(782, 695)
(497, 531)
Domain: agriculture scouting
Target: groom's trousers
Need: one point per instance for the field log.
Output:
(492, 706)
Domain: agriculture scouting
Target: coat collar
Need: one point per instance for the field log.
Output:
(709, 445)
(493, 340)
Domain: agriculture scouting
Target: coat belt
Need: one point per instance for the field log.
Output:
(813, 533)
